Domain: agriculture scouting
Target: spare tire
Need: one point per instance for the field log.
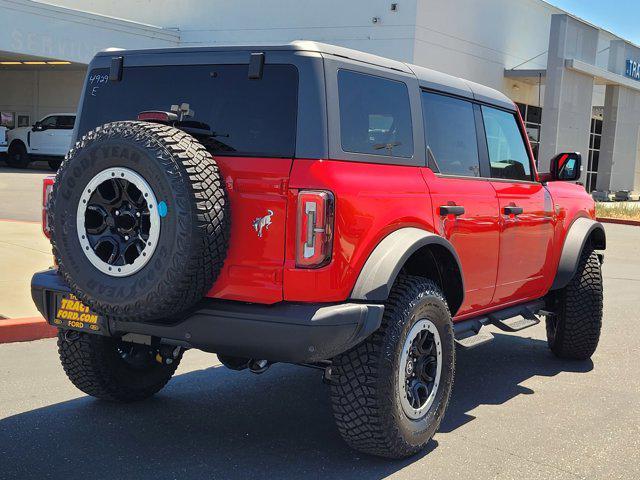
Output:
(139, 221)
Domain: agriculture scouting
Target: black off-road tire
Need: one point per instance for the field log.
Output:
(94, 366)
(17, 156)
(574, 331)
(364, 381)
(193, 236)
(54, 163)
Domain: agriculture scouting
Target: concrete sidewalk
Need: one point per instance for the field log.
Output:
(23, 250)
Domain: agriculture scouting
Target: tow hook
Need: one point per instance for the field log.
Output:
(258, 366)
(167, 354)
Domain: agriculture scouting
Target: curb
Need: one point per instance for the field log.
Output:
(619, 221)
(25, 329)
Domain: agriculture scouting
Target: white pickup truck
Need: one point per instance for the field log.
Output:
(3, 139)
(48, 139)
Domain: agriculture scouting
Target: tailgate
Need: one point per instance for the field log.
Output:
(257, 189)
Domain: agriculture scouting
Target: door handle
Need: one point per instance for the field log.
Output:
(512, 210)
(455, 210)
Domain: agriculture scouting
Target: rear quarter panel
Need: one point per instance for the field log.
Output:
(371, 201)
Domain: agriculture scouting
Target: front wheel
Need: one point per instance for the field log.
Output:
(389, 393)
(17, 156)
(110, 369)
(573, 331)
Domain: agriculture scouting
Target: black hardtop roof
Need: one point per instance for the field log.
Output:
(427, 78)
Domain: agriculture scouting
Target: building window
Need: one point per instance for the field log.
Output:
(7, 119)
(594, 153)
(532, 117)
(23, 120)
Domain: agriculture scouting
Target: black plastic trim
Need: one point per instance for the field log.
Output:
(579, 233)
(385, 262)
(285, 332)
(115, 69)
(256, 65)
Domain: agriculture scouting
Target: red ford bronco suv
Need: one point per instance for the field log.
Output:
(315, 205)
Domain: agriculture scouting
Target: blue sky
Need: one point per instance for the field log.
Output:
(621, 17)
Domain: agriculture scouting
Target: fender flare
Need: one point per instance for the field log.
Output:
(385, 261)
(580, 231)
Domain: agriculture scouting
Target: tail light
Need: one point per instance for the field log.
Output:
(47, 187)
(314, 235)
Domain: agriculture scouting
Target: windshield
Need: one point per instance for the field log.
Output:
(233, 115)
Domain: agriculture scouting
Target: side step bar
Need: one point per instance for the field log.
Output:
(512, 319)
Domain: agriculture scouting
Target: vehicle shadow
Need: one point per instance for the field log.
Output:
(36, 166)
(216, 423)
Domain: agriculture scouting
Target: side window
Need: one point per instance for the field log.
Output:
(49, 122)
(450, 131)
(375, 115)
(507, 151)
(65, 122)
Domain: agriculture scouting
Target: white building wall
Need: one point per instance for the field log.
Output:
(479, 39)
(39, 93)
(49, 31)
(345, 23)
(486, 37)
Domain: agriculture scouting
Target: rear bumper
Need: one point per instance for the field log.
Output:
(285, 332)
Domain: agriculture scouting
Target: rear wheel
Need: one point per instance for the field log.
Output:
(573, 331)
(111, 369)
(54, 163)
(17, 156)
(389, 393)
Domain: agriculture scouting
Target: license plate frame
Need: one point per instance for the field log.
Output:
(70, 313)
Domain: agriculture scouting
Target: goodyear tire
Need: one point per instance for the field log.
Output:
(574, 331)
(389, 393)
(139, 221)
(110, 369)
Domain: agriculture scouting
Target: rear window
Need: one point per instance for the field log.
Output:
(375, 115)
(450, 131)
(241, 117)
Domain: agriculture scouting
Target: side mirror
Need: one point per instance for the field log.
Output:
(566, 167)
(37, 127)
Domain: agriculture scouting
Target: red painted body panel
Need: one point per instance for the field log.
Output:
(256, 187)
(570, 201)
(505, 260)
(371, 201)
(526, 241)
(475, 235)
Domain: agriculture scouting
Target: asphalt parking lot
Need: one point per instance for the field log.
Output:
(21, 191)
(516, 411)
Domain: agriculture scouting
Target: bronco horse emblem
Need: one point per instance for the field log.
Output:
(262, 222)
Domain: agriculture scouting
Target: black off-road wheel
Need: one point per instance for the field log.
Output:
(111, 369)
(574, 331)
(17, 156)
(139, 221)
(389, 393)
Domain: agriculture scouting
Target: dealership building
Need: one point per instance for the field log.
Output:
(576, 84)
